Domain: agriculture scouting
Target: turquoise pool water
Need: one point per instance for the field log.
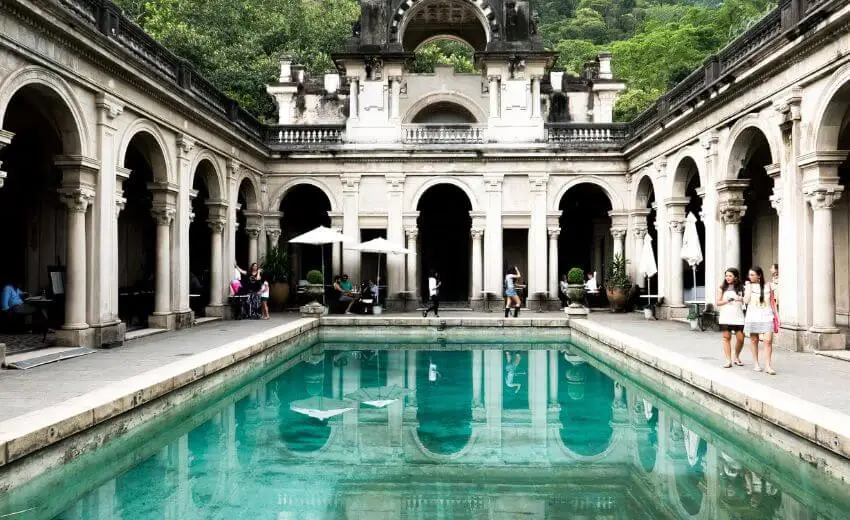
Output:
(422, 431)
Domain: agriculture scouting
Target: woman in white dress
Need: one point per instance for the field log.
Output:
(759, 319)
(730, 297)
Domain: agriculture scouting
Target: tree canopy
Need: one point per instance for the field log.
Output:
(236, 44)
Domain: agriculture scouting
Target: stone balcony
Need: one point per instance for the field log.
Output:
(444, 134)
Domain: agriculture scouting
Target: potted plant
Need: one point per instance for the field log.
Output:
(575, 286)
(276, 271)
(316, 281)
(617, 284)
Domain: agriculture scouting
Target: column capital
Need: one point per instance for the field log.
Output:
(5, 138)
(493, 183)
(732, 212)
(76, 199)
(618, 233)
(677, 225)
(273, 234)
(476, 233)
(709, 142)
(538, 183)
(216, 225)
(163, 214)
(395, 183)
(411, 232)
(554, 232)
(120, 204)
(822, 195)
(640, 232)
(233, 167)
(493, 77)
(350, 183)
(252, 231)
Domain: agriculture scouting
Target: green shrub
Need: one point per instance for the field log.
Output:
(616, 275)
(575, 275)
(276, 265)
(315, 277)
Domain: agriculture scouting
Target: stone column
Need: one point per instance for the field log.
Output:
(411, 377)
(412, 261)
(395, 234)
(493, 90)
(273, 237)
(77, 200)
(395, 98)
(252, 229)
(676, 221)
(732, 209)
(824, 334)
(639, 231)
(353, 94)
(477, 263)
(103, 230)
(537, 394)
(5, 139)
(164, 215)
(477, 377)
(493, 381)
(216, 279)
(493, 235)
(619, 236)
(351, 222)
(554, 233)
(180, 234)
(553, 377)
(537, 236)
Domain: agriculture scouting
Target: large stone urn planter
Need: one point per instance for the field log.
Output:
(576, 308)
(279, 294)
(314, 309)
(617, 298)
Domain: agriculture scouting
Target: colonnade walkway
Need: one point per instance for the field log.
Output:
(809, 376)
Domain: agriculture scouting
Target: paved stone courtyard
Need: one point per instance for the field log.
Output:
(808, 376)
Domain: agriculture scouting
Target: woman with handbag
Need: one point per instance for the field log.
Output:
(760, 318)
(731, 315)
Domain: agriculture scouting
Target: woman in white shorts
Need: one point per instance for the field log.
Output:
(759, 319)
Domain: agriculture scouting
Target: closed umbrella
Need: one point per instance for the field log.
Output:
(691, 250)
(647, 266)
(380, 246)
(319, 237)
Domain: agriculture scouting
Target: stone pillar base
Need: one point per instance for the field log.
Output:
(827, 340)
(393, 304)
(476, 304)
(217, 311)
(75, 338)
(161, 321)
(793, 338)
(108, 335)
(184, 319)
(671, 312)
(577, 312)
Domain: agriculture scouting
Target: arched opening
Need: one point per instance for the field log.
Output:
(647, 437)
(686, 184)
(200, 236)
(444, 113)
(760, 226)
(444, 246)
(137, 231)
(443, 50)
(35, 237)
(444, 409)
(834, 134)
(586, 406)
(744, 493)
(306, 207)
(646, 202)
(585, 230)
(246, 213)
(420, 21)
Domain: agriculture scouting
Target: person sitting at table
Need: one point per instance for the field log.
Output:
(590, 285)
(347, 293)
(12, 302)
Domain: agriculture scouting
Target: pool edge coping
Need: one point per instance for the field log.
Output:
(825, 427)
(25, 434)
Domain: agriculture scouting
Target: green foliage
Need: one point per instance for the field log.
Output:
(575, 275)
(237, 44)
(616, 276)
(443, 52)
(276, 265)
(315, 277)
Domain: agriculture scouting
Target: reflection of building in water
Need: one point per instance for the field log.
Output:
(584, 446)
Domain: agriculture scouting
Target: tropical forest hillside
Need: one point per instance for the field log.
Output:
(236, 43)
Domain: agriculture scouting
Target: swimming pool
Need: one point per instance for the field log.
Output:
(407, 428)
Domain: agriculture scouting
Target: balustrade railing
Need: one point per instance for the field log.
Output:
(443, 134)
(587, 134)
(305, 135)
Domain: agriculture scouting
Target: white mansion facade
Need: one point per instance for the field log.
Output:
(131, 171)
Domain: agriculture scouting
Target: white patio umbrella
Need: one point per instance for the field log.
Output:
(321, 408)
(380, 246)
(691, 250)
(647, 266)
(319, 237)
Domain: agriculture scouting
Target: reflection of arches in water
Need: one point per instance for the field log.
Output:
(298, 432)
(647, 437)
(745, 494)
(689, 470)
(585, 399)
(444, 407)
